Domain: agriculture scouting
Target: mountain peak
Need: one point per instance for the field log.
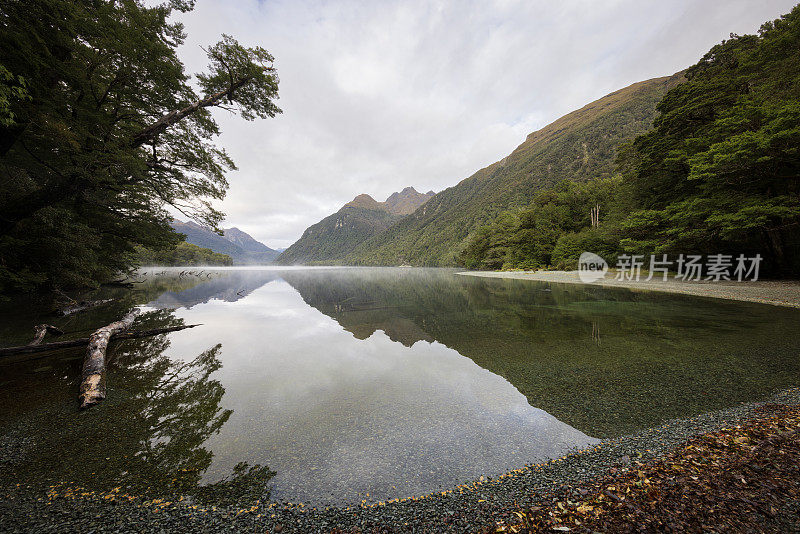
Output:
(399, 203)
(336, 235)
(364, 201)
(406, 201)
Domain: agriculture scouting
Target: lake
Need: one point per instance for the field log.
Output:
(337, 385)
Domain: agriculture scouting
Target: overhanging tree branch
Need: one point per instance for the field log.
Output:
(174, 117)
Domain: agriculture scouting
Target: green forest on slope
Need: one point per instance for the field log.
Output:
(578, 147)
(718, 174)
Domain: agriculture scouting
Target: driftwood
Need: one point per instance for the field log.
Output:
(12, 355)
(43, 329)
(93, 381)
(82, 342)
(80, 306)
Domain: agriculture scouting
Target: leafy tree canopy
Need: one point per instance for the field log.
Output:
(720, 170)
(101, 129)
(550, 230)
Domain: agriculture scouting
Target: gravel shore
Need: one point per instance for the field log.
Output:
(776, 292)
(467, 508)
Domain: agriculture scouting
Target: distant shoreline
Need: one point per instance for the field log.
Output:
(774, 292)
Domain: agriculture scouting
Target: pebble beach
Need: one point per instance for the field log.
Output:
(473, 506)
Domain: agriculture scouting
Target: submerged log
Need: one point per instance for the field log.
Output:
(128, 284)
(82, 342)
(81, 306)
(93, 383)
(43, 329)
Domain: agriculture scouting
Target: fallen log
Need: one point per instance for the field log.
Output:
(82, 342)
(93, 381)
(43, 329)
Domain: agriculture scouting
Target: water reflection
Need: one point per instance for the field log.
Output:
(377, 383)
(148, 437)
(660, 356)
(204, 286)
(340, 418)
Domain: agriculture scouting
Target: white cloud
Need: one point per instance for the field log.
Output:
(381, 95)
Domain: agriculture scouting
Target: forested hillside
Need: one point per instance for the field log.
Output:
(183, 254)
(335, 236)
(580, 147)
(718, 174)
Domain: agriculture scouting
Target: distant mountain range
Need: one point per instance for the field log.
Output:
(239, 245)
(335, 236)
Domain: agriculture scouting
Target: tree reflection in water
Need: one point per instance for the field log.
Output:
(147, 437)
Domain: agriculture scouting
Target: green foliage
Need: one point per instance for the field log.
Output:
(720, 171)
(108, 134)
(231, 63)
(183, 254)
(12, 90)
(549, 232)
(570, 246)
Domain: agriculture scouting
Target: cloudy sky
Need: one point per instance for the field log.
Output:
(379, 95)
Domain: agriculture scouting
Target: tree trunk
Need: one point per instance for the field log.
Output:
(147, 134)
(776, 244)
(93, 384)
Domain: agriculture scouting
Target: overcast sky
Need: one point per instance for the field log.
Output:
(380, 95)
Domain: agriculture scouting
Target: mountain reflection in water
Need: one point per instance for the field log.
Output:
(337, 416)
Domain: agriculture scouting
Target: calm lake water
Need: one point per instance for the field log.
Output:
(331, 385)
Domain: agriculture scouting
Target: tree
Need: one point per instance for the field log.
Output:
(549, 230)
(720, 171)
(107, 132)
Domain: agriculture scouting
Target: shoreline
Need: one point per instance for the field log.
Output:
(742, 478)
(470, 507)
(773, 292)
